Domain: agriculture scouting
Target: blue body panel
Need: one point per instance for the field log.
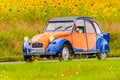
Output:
(81, 51)
(103, 43)
(106, 36)
(26, 47)
(58, 43)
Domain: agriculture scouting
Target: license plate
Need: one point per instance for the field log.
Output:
(41, 50)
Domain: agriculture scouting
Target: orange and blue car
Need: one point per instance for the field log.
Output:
(66, 37)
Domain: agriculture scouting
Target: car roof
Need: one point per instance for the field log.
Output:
(70, 19)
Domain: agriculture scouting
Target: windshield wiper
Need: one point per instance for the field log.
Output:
(57, 28)
(67, 28)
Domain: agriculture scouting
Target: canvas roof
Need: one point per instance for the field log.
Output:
(70, 18)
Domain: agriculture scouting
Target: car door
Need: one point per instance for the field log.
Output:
(79, 39)
(90, 35)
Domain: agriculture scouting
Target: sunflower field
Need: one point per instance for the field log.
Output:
(42, 10)
(19, 18)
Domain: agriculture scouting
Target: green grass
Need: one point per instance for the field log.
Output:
(10, 58)
(72, 70)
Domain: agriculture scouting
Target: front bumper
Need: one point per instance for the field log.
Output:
(27, 51)
(34, 54)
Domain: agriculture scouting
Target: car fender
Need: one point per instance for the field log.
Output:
(102, 45)
(56, 46)
(26, 47)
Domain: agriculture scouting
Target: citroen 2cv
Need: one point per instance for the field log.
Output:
(66, 37)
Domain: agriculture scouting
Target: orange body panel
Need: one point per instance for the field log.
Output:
(91, 39)
(79, 40)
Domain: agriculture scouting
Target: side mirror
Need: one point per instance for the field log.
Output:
(38, 31)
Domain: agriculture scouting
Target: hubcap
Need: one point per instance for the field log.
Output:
(65, 53)
(103, 55)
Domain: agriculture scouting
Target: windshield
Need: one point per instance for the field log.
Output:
(60, 26)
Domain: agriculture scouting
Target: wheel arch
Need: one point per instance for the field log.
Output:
(59, 43)
(70, 46)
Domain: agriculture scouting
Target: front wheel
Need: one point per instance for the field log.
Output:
(27, 58)
(65, 53)
(102, 56)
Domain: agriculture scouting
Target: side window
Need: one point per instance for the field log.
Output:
(97, 28)
(80, 22)
(89, 27)
(80, 26)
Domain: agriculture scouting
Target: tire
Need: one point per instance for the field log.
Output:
(27, 58)
(102, 56)
(65, 53)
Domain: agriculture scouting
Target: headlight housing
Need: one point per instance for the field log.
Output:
(26, 38)
(51, 38)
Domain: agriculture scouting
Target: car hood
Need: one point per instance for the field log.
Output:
(44, 38)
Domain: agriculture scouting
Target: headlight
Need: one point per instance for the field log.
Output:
(51, 38)
(26, 38)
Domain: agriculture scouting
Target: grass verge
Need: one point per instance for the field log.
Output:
(11, 58)
(72, 70)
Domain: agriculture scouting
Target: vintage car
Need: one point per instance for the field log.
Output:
(66, 37)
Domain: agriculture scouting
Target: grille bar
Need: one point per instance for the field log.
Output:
(37, 45)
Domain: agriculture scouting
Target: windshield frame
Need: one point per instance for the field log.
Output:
(59, 30)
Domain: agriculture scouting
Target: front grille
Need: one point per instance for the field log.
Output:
(37, 45)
